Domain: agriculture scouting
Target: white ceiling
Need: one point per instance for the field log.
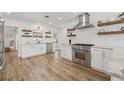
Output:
(38, 17)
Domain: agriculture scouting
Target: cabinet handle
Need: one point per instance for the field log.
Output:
(103, 54)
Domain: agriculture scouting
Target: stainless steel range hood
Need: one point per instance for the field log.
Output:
(84, 21)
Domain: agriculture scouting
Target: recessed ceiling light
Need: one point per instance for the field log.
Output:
(49, 22)
(59, 18)
(8, 12)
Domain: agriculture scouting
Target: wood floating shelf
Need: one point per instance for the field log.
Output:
(48, 36)
(111, 22)
(110, 33)
(27, 30)
(72, 29)
(48, 33)
(71, 35)
(26, 36)
(26, 33)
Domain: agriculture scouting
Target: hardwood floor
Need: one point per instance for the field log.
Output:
(46, 67)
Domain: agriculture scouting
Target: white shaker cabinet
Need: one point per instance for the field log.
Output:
(32, 50)
(63, 51)
(101, 58)
(96, 58)
(66, 51)
(107, 53)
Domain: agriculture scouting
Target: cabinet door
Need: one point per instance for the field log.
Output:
(69, 53)
(63, 50)
(106, 59)
(66, 52)
(96, 58)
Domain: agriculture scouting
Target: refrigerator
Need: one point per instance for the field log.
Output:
(2, 52)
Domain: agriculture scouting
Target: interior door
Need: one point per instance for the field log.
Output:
(10, 37)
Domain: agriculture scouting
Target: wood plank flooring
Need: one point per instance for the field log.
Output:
(45, 68)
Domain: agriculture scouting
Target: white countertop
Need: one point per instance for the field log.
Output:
(33, 44)
(120, 76)
(108, 46)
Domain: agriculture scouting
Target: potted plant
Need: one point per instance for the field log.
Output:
(120, 15)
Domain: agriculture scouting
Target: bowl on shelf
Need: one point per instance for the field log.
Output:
(122, 28)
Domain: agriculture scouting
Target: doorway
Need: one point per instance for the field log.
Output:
(10, 34)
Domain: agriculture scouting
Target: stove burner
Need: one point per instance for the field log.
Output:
(84, 44)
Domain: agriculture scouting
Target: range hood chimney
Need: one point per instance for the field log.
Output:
(84, 21)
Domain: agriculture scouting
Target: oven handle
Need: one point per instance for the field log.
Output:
(83, 51)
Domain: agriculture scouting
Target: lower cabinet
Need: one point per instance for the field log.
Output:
(100, 59)
(32, 50)
(107, 57)
(96, 58)
(66, 52)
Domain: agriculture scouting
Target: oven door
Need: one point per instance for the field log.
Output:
(82, 57)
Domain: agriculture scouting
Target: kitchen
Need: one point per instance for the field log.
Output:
(64, 46)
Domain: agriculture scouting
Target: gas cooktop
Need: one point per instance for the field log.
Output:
(79, 44)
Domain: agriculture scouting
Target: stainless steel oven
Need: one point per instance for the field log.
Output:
(81, 54)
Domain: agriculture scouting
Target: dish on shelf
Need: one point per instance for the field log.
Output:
(122, 28)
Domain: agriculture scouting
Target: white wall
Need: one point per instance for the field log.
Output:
(89, 35)
(20, 25)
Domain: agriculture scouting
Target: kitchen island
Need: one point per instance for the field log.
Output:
(29, 50)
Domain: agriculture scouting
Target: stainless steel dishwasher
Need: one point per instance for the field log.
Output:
(49, 48)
